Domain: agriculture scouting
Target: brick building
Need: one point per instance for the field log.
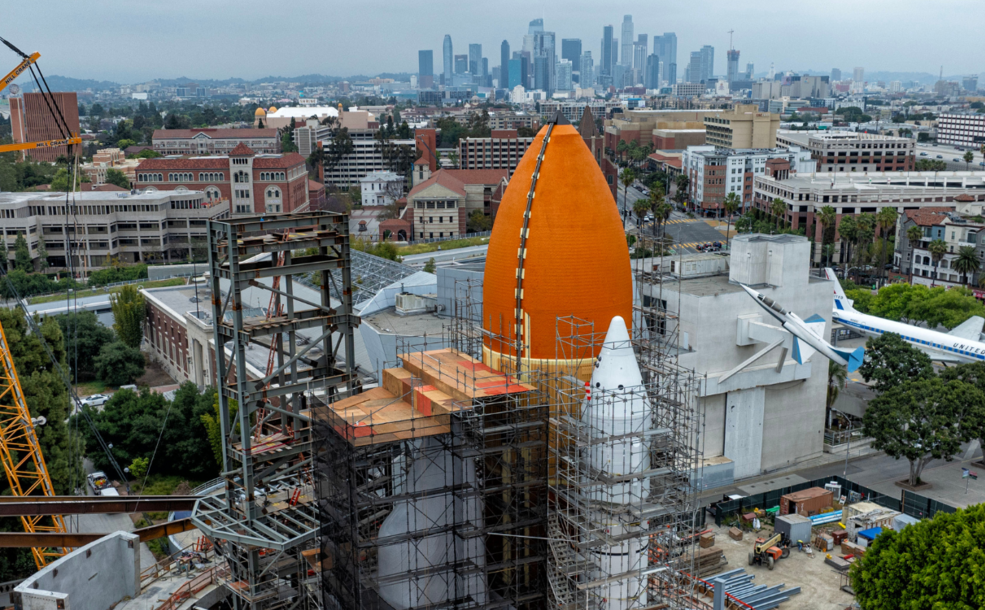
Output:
(212, 141)
(502, 150)
(31, 121)
(253, 184)
(848, 151)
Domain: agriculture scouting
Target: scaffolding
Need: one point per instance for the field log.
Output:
(433, 487)
(266, 524)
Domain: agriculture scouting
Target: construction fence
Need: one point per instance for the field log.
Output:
(908, 502)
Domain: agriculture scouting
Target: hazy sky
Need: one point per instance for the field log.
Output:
(137, 40)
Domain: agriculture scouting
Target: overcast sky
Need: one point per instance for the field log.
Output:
(137, 40)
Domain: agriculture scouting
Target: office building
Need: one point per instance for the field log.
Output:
(749, 70)
(605, 67)
(835, 75)
(152, 226)
(694, 69)
(213, 141)
(571, 50)
(744, 127)
(641, 40)
(639, 61)
(517, 74)
(714, 172)
(502, 150)
(475, 60)
(732, 68)
(461, 64)
(651, 75)
(858, 75)
(544, 62)
(562, 73)
(626, 57)
(665, 47)
(961, 129)
(586, 77)
(425, 69)
(504, 64)
(848, 151)
(535, 26)
(484, 77)
(707, 62)
(970, 83)
(31, 120)
(448, 59)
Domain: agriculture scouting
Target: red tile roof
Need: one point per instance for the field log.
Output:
(283, 161)
(443, 178)
(101, 187)
(242, 149)
(314, 185)
(216, 134)
(164, 163)
(479, 176)
(928, 217)
(964, 197)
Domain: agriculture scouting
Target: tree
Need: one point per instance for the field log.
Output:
(621, 148)
(885, 220)
(937, 249)
(429, 266)
(929, 165)
(213, 427)
(661, 213)
(119, 364)
(4, 261)
(128, 315)
(626, 178)
(935, 563)
(918, 419)
(778, 209)
(913, 235)
(62, 182)
(890, 361)
(42, 255)
(731, 205)
(287, 140)
(836, 380)
(22, 255)
(968, 158)
(148, 153)
(826, 217)
(138, 467)
(866, 233)
(84, 338)
(115, 176)
(478, 222)
(966, 262)
(848, 229)
(641, 207)
(973, 419)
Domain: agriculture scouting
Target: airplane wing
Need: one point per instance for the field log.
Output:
(970, 329)
(815, 324)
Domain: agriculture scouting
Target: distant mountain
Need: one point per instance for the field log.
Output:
(66, 83)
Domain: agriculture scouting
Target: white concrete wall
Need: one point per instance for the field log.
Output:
(94, 577)
(744, 430)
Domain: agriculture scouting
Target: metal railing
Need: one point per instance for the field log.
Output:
(840, 437)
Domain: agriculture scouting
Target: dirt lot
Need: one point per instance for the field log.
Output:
(819, 583)
(154, 374)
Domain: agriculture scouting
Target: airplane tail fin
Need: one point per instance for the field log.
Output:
(841, 300)
(854, 358)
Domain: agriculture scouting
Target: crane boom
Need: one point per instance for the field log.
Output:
(43, 144)
(24, 65)
(21, 454)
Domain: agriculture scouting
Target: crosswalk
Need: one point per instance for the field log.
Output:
(681, 221)
(693, 244)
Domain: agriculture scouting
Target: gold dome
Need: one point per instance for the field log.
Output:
(260, 112)
(272, 109)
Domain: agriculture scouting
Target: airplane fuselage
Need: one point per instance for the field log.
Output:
(939, 346)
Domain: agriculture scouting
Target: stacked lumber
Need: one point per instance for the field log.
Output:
(709, 561)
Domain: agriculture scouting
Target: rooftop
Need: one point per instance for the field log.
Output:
(878, 180)
(213, 133)
(417, 325)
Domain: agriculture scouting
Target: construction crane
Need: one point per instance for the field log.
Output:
(27, 63)
(21, 454)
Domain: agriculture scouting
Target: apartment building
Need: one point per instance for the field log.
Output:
(248, 182)
(961, 129)
(514, 120)
(715, 172)
(947, 225)
(853, 193)
(573, 111)
(153, 226)
(744, 127)
(848, 151)
(503, 150)
(213, 141)
(31, 120)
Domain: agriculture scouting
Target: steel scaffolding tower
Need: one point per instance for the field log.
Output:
(265, 523)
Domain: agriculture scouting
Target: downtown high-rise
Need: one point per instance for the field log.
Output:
(627, 41)
(607, 60)
(449, 60)
(425, 69)
(475, 60)
(665, 47)
(504, 64)
(732, 68)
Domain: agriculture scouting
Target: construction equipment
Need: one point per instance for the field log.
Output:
(21, 455)
(769, 551)
(28, 63)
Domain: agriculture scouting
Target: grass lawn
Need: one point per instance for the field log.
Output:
(52, 298)
(451, 244)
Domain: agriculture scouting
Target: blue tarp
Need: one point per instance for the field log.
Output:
(870, 533)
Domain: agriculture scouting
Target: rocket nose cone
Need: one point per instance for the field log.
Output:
(750, 291)
(616, 367)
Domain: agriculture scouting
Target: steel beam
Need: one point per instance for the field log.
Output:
(12, 506)
(70, 540)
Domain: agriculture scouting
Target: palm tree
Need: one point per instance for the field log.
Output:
(731, 204)
(825, 217)
(913, 235)
(661, 213)
(937, 248)
(621, 149)
(885, 220)
(968, 158)
(966, 262)
(626, 177)
(866, 233)
(837, 374)
(848, 229)
(778, 209)
(682, 182)
(641, 207)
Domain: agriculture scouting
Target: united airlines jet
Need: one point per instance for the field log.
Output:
(961, 345)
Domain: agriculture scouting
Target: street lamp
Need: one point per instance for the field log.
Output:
(848, 449)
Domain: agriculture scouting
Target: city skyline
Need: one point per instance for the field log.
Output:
(348, 48)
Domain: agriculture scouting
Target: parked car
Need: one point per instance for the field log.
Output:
(956, 160)
(923, 154)
(96, 400)
(940, 156)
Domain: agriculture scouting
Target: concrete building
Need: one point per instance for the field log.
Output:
(153, 226)
(744, 127)
(109, 158)
(688, 89)
(574, 110)
(768, 414)
(641, 126)
(439, 204)
(248, 182)
(961, 129)
(212, 141)
(945, 223)
(849, 151)
(31, 120)
(854, 193)
(278, 118)
(715, 172)
(502, 150)
(381, 188)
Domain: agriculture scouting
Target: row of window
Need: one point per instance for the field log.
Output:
(955, 350)
(269, 176)
(432, 205)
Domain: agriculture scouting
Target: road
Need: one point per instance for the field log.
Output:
(949, 154)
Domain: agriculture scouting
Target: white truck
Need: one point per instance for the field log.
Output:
(101, 485)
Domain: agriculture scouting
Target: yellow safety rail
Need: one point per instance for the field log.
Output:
(21, 454)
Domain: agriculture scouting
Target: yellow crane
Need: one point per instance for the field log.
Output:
(21, 454)
(68, 139)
